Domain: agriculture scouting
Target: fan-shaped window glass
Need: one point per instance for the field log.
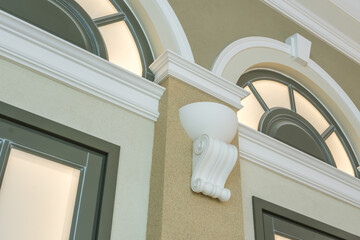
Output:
(340, 156)
(121, 46)
(106, 28)
(310, 113)
(250, 116)
(274, 94)
(281, 108)
(97, 8)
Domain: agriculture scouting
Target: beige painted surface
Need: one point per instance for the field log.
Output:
(175, 212)
(211, 25)
(40, 95)
(265, 184)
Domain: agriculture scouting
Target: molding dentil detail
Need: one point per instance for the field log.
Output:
(300, 48)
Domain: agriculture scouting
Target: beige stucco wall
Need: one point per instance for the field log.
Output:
(175, 212)
(211, 25)
(270, 186)
(45, 97)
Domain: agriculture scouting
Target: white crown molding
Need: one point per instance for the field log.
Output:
(171, 64)
(297, 165)
(70, 65)
(350, 7)
(243, 44)
(317, 26)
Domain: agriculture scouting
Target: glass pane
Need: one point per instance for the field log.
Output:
(37, 198)
(310, 113)
(339, 154)
(273, 93)
(121, 47)
(97, 8)
(252, 111)
(278, 237)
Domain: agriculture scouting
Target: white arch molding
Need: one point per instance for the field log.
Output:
(260, 52)
(162, 27)
(265, 53)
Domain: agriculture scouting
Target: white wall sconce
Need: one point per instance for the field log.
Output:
(212, 127)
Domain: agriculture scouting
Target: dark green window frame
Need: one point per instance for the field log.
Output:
(28, 132)
(271, 219)
(277, 115)
(88, 28)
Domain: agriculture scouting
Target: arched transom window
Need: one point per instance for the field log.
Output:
(281, 108)
(106, 28)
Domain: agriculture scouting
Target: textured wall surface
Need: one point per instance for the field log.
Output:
(175, 212)
(40, 95)
(211, 25)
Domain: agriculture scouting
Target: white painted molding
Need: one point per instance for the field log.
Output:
(350, 7)
(162, 27)
(213, 161)
(297, 165)
(68, 64)
(178, 31)
(300, 48)
(211, 126)
(332, 89)
(171, 64)
(317, 26)
(242, 44)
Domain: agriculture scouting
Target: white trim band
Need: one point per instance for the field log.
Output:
(317, 26)
(70, 65)
(297, 165)
(171, 64)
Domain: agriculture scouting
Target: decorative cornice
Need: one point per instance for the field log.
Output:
(317, 26)
(70, 65)
(171, 64)
(297, 165)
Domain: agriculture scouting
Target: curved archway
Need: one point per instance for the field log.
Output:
(264, 53)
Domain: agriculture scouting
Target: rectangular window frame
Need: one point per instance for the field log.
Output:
(264, 231)
(64, 133)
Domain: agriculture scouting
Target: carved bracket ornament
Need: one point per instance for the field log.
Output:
(212, 127)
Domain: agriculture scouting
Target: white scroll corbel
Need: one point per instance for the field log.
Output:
(212, 127)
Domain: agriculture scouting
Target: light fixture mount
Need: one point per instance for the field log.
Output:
(212, 127)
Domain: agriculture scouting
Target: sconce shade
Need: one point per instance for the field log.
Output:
(214, 119)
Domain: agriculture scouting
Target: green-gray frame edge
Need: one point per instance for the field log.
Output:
(260, 206)
(79, 138)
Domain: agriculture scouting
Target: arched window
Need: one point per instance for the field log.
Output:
(282, 108)
(106, 28)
